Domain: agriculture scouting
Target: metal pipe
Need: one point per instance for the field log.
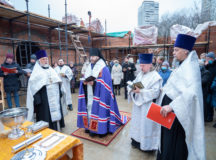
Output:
(11, 33)
(59, 37)
(29, 26)
(49, 10)
(50, 40)
(208, 39)
(66, 39)
(26, 54)
(20, 56)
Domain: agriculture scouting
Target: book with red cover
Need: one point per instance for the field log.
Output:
(8, 70)
(154, 115)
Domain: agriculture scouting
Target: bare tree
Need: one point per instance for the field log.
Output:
(188, 17)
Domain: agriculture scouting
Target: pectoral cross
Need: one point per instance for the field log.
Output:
(50, 80)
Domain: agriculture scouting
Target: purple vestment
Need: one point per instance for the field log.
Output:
(105, 116)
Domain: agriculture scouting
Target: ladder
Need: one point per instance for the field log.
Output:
(2, 93)
(78, 45)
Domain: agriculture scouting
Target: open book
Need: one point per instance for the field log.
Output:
(8, 70)
(137, 84)
(27, 70)
(90, 78)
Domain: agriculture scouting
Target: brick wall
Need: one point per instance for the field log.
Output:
(20, 31)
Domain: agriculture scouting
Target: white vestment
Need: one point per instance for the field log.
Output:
(85, 66)
(46, 77)
(185, 89)
(143, 130)
(66, 80)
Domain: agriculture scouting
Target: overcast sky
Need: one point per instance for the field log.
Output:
(121, 15)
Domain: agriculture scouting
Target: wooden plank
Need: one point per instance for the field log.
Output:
(149, 46)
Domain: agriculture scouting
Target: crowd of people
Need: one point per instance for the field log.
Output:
(188, 89)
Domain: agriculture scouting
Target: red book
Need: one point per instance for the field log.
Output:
(154, 115)
(8, 70)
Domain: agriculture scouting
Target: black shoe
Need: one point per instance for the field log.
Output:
(135, 144)
(214, 125)
(73, 90)
(70, 107)
(92, 134)
(87, 131)
(102, 135)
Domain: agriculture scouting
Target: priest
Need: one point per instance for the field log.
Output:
(145, 134)
(65, 73)
(182, 94)
(46, 94)
(97, 107)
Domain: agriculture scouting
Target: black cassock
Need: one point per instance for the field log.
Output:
(42, 110)
(173, 145)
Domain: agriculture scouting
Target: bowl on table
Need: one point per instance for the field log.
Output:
(14, 118)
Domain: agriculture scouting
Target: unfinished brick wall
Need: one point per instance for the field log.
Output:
(20, 31)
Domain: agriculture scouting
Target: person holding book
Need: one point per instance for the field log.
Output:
(97, 107)
(10, 71)
(182, 94)
(46, 95)
(30, 66)
(142, 92)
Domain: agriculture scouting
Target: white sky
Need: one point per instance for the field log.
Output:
(121, 15)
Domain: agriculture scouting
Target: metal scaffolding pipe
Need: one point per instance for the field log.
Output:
(49, 10)
(29, 27)
(59, 36)
(66, 39)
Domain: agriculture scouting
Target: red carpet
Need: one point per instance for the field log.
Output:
(105, 140)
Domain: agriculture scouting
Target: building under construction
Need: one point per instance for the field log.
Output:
(24, 33)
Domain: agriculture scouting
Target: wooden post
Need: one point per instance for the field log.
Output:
(2, 94)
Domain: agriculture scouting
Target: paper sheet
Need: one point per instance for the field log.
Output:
(50, 141)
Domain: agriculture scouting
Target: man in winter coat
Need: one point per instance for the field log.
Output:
(128, 70)
(205, 76)
(211, 67)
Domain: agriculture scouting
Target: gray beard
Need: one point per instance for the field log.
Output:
(45, 65)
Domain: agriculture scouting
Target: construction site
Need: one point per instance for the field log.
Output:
(23, 33)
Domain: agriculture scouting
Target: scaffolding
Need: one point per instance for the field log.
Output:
(34, 20)
(166, 46)
(24, 47)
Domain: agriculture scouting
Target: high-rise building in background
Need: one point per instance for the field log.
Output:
(148, 13)
(208, 11)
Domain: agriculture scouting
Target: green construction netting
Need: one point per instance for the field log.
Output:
(118, 34)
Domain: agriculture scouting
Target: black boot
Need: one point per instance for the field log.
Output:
(135, 144)
(70, 107)
(92, 134)
(115, 91)
(73, 90)
(87, 131)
